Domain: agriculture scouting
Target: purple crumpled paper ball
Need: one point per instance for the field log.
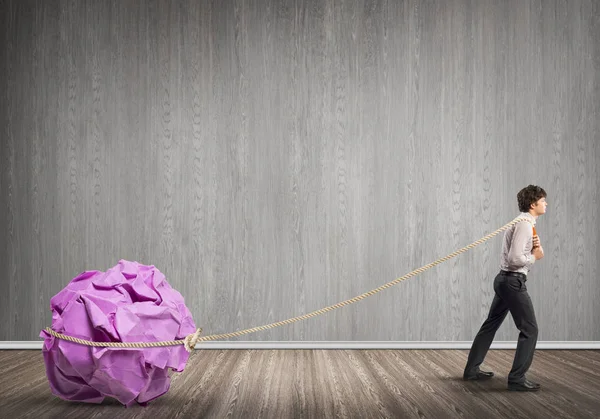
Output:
(130, 302)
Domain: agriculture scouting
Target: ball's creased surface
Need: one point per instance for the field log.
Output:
(130, 302)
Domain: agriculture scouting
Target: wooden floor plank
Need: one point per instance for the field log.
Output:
(329, 383)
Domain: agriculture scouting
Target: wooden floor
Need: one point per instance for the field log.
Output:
(328, 383)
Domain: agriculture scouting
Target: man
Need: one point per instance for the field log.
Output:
(520, 249)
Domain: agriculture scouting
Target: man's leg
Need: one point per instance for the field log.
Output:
(521, 310)
(483, 340)
(514, 292)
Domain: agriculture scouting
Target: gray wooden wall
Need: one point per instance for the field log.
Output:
(273, 157)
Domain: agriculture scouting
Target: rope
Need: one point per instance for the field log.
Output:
(187, 341)
(191, 340)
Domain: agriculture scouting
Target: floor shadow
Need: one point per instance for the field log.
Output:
(493, 385)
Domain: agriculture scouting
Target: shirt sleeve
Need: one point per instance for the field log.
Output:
(519, 255)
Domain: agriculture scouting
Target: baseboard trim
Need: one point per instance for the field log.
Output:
(37, 345)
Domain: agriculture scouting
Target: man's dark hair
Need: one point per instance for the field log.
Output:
(529, 195)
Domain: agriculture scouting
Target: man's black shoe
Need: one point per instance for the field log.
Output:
(479, 375)
(524, 386)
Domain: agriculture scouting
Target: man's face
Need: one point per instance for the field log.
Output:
(539, 206)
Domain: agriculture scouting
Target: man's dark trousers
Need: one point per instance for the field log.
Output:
(511, 295)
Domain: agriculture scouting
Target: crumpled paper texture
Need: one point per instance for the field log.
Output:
(130, 302)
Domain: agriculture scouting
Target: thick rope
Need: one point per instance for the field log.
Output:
(191, 340)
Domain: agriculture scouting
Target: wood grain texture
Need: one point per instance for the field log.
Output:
(272, 158)
(6, 160)
(329, 383)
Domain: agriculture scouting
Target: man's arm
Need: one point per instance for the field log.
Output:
(517, 256)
